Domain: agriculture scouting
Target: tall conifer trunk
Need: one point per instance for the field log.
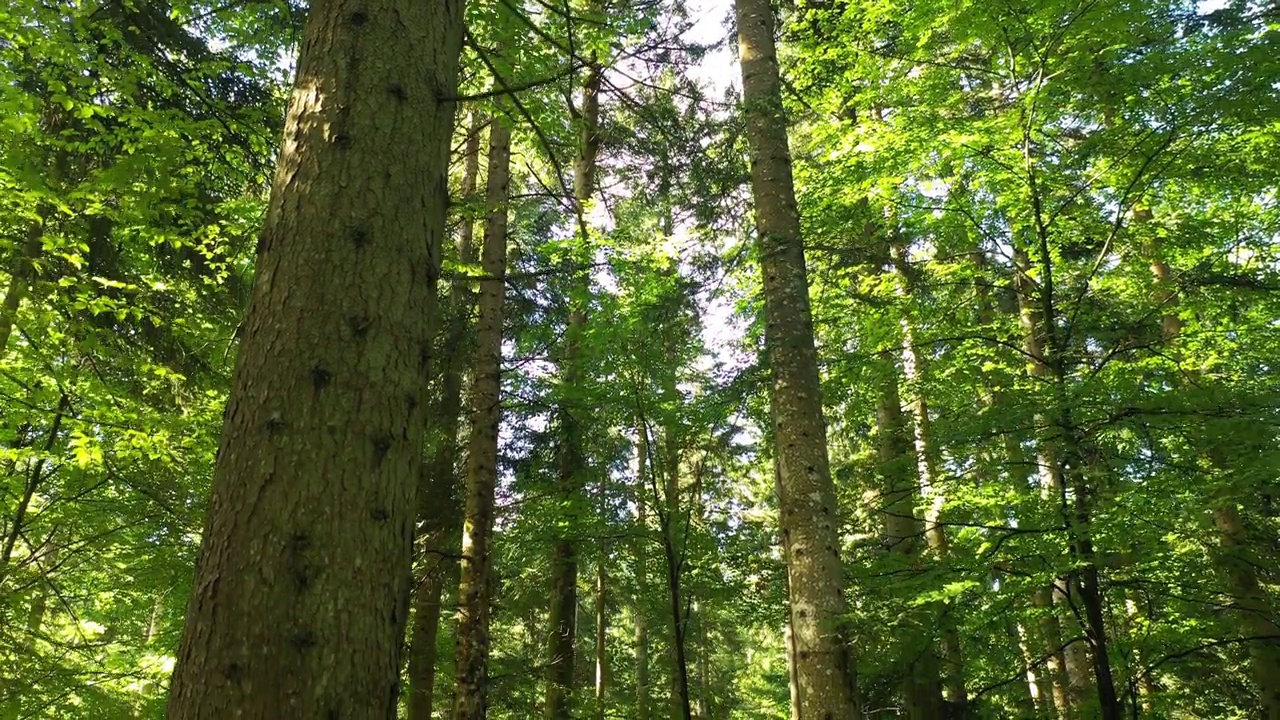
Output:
(808, 514)
(302, 589)
(439, 512)
(474, 589)
(561, 647)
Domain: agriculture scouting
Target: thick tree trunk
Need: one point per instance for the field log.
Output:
(302, 589)
(475, 587)
(439, 512)
(808, 514)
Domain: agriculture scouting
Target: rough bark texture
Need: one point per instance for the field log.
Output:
(302, 588)
(474, 589)
(807, 504)
(439, 510)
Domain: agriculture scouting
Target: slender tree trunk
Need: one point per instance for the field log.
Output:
(674, 550)
(564, 565)
(921, 683)
(1048, 687)
(35, 477)
(1049, 630)
(1058, 450)
(302, 589)
(602, 660)
(439, 513)
(704, 667)
(475, 587)
(793, 685)
(1256, 617)
(1033, 701)
(644, 693)
(808, 514)
(20, 277)
(953, 687)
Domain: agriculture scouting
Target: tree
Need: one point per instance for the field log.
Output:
(475, 588)
(301, 592)
(808, 514)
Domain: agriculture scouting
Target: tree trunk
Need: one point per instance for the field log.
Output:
(1049, 629)
(564, 565)
(674, 551)
(793, 685)
(1048, 687)
(1057, 451)
(475, 587)
(1249, 600)
(808, 515)
(34, 478)
(302, 588)
(439, 513)
(602, 660)
(1255, 615)
(953, 687)
(921, 683)
(644, 694)
(20, 277)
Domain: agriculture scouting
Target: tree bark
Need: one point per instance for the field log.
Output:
(1058, 450)
(808, 514)
(475, 588)
(602, 660)
(674, 550)
(302, 588)
(439, 511)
